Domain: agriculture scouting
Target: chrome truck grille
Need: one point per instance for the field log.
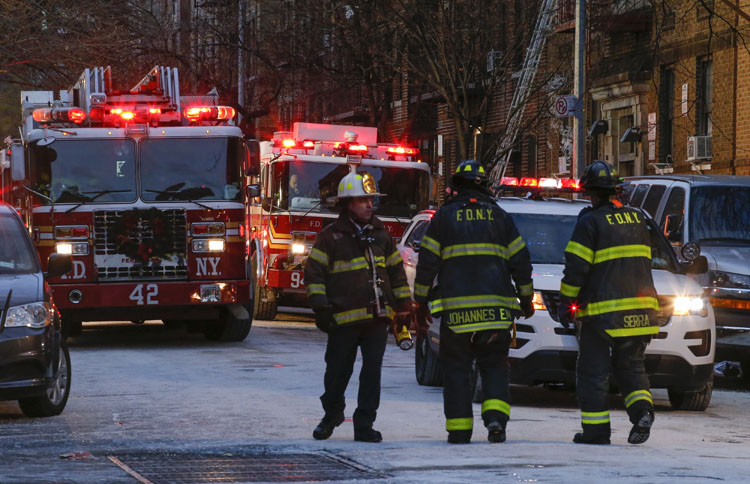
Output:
(114, 265)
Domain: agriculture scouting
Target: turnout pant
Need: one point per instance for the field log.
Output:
(457, 352)
(626, 354)
(341, 353)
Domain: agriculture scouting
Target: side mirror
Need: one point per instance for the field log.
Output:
(252, 191)
(252, 151)
(17, 163)
(59, 264)
(673, 227)
(697, 266)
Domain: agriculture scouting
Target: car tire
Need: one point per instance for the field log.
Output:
(264, 301)
(692, 401)
(229, 328)
(53, 401)
(426, 364)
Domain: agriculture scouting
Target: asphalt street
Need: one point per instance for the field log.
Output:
(153, 405)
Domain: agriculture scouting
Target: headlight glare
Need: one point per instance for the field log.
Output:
(685, 305)
(35, 315)
(73, 248)
(298, 248)
(208, 245)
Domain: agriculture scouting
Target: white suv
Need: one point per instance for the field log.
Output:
(679, 358)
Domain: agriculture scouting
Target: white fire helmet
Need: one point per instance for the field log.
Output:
(358, 185)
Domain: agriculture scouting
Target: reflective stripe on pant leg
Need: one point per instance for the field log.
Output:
(459, 424)
(595, 418)
(494, 404)
(638, 395)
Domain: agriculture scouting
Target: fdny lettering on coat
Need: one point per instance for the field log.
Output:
(470, 214)
(478, 316)
(203, 266)
(623, 218)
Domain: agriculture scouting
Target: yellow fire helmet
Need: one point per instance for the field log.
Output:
(358, 185)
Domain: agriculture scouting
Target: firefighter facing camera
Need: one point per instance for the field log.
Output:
(484, 273)
(355, 284)
(608, 291)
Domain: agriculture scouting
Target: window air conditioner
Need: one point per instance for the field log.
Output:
(699, 148)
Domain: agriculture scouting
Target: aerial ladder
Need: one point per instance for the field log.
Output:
(523, 89)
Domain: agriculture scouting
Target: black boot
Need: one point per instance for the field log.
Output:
(326, 426)
(459, 436)
(642, 429)
(367, 435)
(584, 438)
(495, 432)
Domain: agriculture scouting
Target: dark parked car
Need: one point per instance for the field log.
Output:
(34, 362)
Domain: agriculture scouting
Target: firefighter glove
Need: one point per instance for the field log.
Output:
(566, 312)
(422, 318)
(527, 307)
(324, 319)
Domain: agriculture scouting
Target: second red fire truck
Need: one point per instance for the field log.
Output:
(297, 186)
(146, 189)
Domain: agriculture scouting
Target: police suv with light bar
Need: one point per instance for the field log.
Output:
(679, 358)
(145, 189)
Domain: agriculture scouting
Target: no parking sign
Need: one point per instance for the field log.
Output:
(565, 106)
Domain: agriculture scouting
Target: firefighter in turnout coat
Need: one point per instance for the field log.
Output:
(483, 268)
(607, 286)
(356, 285)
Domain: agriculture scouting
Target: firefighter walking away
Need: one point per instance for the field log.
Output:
(356, 286)
(483, 269)
(607, 286)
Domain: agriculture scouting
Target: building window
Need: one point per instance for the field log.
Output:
(666, 114)
(704, 87)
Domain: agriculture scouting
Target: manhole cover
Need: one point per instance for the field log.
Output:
(263, 467)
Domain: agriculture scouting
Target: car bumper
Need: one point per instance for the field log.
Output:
(681, 355)
(150, 300)
(25, 361)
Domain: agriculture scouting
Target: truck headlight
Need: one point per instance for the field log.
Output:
(208, 245)
(34, 315)
(298, 248)
(72, 248)
(684, 305)
(728, 280)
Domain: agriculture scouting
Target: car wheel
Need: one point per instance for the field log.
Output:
(264, 302)
(426, 364)
(53, 401)
(229, 327)
(692, 401)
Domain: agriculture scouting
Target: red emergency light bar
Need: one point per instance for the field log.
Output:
(560, 184)
(47, 115)
(209, 113)
(400, 150)
(356, 148)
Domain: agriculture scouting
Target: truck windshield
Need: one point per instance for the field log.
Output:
(191, 169)
(303, 186)
(720, 214)
(80, 171)
(17, 255)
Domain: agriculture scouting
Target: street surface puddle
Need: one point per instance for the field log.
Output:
(195, 468)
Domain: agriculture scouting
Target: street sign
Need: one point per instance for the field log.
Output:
(565, 106)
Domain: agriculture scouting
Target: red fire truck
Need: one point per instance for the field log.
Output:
(146, 189)
(297, 185)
